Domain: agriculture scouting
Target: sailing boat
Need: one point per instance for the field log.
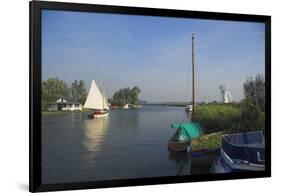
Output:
(181, 140)
(126, 106)
(188, 108)
(97, 101)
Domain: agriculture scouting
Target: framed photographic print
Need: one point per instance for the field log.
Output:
(125, 96)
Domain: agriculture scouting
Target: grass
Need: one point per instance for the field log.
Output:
(218, 117)
(53, 113)
(210, 141)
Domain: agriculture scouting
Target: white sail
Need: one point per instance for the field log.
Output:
(126, 106)
(95, 98)
(105, 102)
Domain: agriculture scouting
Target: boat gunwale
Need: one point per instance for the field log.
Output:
(224, 137)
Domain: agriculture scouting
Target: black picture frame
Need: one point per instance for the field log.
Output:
(35, 184)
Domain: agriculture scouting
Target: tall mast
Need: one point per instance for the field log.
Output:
(193, 87)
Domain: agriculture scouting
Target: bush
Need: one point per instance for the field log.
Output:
(230, 117)
(252, 117)
(217, 117)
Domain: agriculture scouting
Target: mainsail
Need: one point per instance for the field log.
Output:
(95, 99)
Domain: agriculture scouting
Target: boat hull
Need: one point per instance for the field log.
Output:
(188, 108)
(98, 114)
(222, 165)
(241, 152)
(179, 146)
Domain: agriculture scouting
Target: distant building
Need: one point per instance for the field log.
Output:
(226, 95)
(64, 105)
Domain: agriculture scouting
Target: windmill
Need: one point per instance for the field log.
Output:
(225, 93)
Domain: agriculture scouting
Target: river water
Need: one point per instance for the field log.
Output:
(129, 143)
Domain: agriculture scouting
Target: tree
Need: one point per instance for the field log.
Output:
(126, 95)
(52, 90)
(254, 91)
(78, 91)
(252, 117)
(253, 106)
(134, 94)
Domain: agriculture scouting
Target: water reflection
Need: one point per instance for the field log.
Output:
(95, 133)
(183, 162)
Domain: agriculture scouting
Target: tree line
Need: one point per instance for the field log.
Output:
(54, 88)
(126, 95)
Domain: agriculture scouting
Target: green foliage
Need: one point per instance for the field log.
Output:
(78, 91)
(134, 93)
(247, 115)
(252, 117)
(210, 141)
(254, 91)
(53, 89)
(253, 106)
(218, 117)
(126, 95)
(230, 118)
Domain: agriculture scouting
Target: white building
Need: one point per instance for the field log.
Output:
(63, 105)
(225, 93)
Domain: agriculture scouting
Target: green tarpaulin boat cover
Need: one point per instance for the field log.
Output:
(186, 131)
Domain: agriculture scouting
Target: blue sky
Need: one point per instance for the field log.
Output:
(153, 53)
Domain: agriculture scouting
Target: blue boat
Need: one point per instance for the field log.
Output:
(241, 152)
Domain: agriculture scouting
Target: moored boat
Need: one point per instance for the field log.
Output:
(241, 152)
(188, 108)
(181, 140)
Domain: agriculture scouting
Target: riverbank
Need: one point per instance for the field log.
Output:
(207, 142)
(205, 151)
(218, 117)
(52, 113)
(172, 104)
